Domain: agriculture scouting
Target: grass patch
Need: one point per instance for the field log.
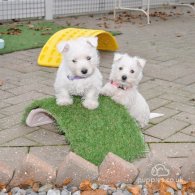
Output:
(92, 134)
(22, 36)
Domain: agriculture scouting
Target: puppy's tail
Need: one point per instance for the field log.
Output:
(155, 115)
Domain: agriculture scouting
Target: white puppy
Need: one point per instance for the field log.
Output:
(125, 76)
(78, 73)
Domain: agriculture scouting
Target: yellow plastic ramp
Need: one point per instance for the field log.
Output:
(50, 56)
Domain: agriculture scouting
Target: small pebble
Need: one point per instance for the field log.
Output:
(94, 186)
(76, 193)
(53, 192)
(123, 186)
(30, 192)
(127, 192)
(118, 192)
(118, 184)
(109, 192)
(145, 191)
(20, 192)
(65, 192)
(72, 189)
(4, 190)
(179, 186)
(45, 188)
(104, 187)
(3, 193)
(42, 193)
(179, 192)
(15, 190)
(171, 191)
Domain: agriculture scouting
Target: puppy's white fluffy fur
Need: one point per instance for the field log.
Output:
(125, 76)
(78, 73)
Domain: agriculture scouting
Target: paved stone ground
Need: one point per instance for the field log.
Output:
(168, 85)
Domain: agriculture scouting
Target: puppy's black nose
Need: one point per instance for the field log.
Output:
(124, 77)
(84, 71)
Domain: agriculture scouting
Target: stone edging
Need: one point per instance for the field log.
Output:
(112, 170)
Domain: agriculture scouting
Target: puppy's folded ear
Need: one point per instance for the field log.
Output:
(141, 62)
(63, 46)
(92, 41)
(117, 56)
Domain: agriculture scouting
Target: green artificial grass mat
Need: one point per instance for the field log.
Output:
(22, 36)
(94, 133)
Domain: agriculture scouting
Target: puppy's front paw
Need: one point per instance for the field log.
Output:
(90, 104)
(64, 101)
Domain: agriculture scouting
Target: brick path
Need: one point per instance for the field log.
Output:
(168, 86)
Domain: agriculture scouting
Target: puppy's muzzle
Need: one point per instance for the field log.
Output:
(84, 71)
(124, 78)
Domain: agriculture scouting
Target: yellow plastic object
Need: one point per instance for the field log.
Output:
(50, 56)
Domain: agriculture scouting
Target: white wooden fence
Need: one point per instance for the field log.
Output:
(24, 9)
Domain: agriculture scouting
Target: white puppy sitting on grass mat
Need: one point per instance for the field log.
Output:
(78, 73)
(125, 76)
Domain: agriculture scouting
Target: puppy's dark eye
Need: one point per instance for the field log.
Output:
(74, 61)
(120, 68)
(88, 58)
(132, 71)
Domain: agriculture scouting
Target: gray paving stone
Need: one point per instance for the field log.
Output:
(190, 130)
(189, 79)
(7, 86)
(183, 116)
(13, 156)
(14, 132)
(21, 141)
(3, 104)
(45, 137)
(188, 169)
(173, 150)
(191, 88)
(157, 102)
(180, 137)
(24, 97)
(166, 128)
(16, 108)
(167, 114)
(175, 97)
(152, 93)
(52, 154)
(150, 139)
(10, 121)
(4, 95)
(181, 107)
(2, 115)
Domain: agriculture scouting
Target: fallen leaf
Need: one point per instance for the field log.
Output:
(26, 184)
(67, 181)
(95, 192)
(36, 186)
(135, 190)
(85, 185)
(2, 186)
(31, 26)
(178, 35)
(190, 187)
(171, 184)
(153, 187)
(13, 31)
(163, 188)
